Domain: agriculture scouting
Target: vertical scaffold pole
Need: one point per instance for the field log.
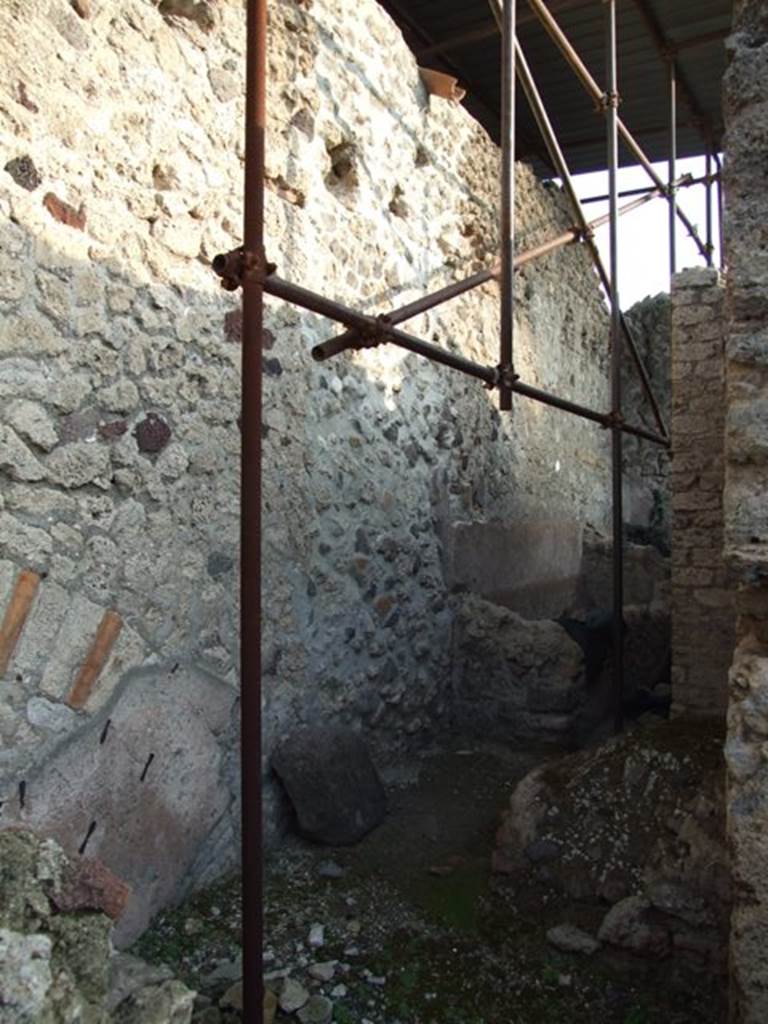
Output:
(250, 508)
(708, 176)
(720, 211)
(507, 277)
(672, 166)
(612, 101)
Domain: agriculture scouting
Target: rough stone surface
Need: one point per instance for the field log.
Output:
(630, 926)
(332, 784)
(639, 823)
(154, 745)
(703, 621)
(745, 106)
(533, 568)
(570, 939)
(514, 678)
(25, 975)
(56, 962)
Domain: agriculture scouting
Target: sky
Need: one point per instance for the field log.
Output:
(644, 233)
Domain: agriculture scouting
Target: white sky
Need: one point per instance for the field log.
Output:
(644, 233)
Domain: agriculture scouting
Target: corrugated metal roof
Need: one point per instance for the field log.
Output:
(460, 36)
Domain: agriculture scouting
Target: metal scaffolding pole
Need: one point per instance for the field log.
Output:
(507, 278)
(708, 203)
(558, 159)
(672, 167)
(582, 73)
(354, 339)
(612, 103)
(684, 181)
(721, 237)
(253, 267)
(489, 375)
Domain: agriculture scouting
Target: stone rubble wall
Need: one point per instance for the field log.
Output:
(745, 102)
(119, 381)
(702, 603)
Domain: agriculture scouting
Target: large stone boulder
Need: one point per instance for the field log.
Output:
(332, 783)
(140, 786)
(514, 678)
(637, 824)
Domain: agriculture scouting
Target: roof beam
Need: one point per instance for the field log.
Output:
(487, 29)
(706, 37)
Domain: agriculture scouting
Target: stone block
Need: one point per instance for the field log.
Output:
(505, 664)
(332, 784)
(629, 925)
(530, 567)
(149, 783)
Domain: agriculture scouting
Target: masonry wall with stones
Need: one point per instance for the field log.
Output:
(646, 466)
(119, 439)
(745, 102)
(702, 602)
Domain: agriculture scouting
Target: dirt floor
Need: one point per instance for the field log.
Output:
(414, 929)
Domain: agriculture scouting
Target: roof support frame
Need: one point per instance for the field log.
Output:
(593, 89)
(667, 52)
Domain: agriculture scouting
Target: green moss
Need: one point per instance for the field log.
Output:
(454, 901)
(217, 913)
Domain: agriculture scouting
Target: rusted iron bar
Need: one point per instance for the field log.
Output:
(720, 211)
(612, 126)
(561, 41)
(558, 158)
(353, 339)
(373, 327)
(489, 375)
(708, 202)
(672, 168)
(684, 181)
(507, 275)
(254, 265)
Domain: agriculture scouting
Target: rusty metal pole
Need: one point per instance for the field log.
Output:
(353, 339)
(612, 103)
(507, 278)
(585, 230)
(708, 202)
(582, 73)
(720, 211)
(254, 265)
(672, 167)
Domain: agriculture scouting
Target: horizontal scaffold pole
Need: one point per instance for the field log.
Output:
(489, 375)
